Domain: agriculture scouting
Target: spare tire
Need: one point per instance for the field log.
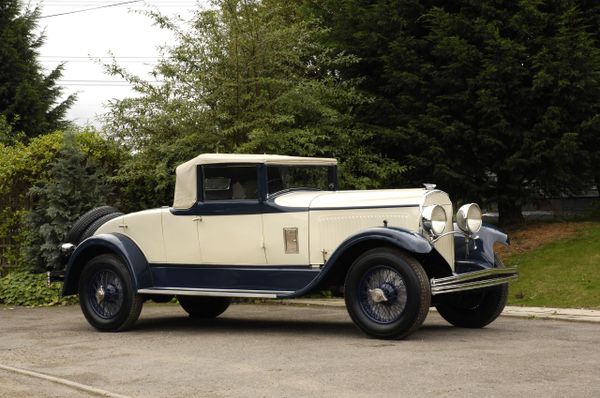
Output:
(93, 227)
(84, 222)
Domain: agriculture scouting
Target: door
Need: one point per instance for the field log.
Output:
(230, 229)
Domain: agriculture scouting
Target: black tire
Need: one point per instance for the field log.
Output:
(107, 294)
(93, 227)
(204, 307)
(475, 308)
(405, 286)
(84, 222)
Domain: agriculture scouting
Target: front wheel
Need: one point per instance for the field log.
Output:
(107, 294)
(387, 293)
(475, 308)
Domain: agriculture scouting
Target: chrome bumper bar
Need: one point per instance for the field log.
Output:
(473, 280)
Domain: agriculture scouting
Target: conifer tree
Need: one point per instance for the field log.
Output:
(493, 101)
(29, 99)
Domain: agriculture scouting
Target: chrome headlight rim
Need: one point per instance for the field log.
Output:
(434, 219)
(469, 218)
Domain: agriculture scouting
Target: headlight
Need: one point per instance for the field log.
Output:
(468, 218)
(434, 219)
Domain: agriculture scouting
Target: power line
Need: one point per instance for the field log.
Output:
(104, 56)
(91, 9)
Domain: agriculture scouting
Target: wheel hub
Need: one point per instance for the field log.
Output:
(377, 295)
(100, 294)
(105, 293)
(390, 292)
(386, 293)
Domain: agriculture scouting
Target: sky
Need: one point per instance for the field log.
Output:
(79, 39)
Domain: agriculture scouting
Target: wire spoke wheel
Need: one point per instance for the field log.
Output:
(382, 294)
(387, 293)
(106, 294)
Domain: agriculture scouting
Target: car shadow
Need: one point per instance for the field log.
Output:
(233, 325)
(245, 325)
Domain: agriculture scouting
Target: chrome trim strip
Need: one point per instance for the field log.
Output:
(467, 281)
(215, 292)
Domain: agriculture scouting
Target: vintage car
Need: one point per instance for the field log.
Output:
(271, 226)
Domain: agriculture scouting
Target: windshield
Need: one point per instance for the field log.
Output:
(284, 178)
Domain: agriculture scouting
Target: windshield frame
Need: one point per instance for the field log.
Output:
(332, 179)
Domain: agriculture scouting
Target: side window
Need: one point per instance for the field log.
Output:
(230, 182)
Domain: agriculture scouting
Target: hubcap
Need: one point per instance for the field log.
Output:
(382, 294)
(100, 295)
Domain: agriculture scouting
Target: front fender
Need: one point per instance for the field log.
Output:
(114, 243)
(340, 260)
(478, 253)
(402, 238)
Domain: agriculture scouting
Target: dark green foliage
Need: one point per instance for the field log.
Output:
(29, 100)
(74, 185)
(494, 101)
(24, 288)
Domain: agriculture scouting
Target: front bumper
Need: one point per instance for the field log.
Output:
(473, 280)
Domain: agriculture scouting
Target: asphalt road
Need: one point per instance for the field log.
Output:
(286, 351)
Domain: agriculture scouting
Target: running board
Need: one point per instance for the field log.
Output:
(216, 292)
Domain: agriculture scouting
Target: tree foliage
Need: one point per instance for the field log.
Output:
(495, 101)
(244, 76)
(29, 100)
(73, 186)
(23, 166)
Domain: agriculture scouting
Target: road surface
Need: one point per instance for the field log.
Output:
(290, 351)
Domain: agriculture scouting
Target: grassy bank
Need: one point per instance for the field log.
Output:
(561, 273)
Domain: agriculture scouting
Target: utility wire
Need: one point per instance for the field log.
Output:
(91, 9)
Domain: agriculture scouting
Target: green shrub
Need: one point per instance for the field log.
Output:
(24, 288)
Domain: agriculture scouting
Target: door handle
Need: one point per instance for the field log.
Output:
(197, 218)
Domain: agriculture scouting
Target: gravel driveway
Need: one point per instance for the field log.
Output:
(289, 351)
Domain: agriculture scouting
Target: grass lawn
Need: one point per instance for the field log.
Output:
(561, 273)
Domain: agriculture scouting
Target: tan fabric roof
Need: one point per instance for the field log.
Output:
(185, 183)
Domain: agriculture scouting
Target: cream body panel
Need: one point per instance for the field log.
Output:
(232, 240)
(111, 226)
(144, 228)
(373, 198)
(180, 233)
(298, 199)
(273, 229)
(329, 228)
(445, 244)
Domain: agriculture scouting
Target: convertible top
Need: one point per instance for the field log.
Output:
(185, 184)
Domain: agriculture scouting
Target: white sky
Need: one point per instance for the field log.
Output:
(80, 38)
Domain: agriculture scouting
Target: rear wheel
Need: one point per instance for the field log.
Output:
(204, 307)
(475, 308)
(107, 294)
(387, 293)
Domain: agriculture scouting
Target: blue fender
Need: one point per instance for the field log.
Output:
(403, 238)
(117, 244)
(479, 251)
(398, 237)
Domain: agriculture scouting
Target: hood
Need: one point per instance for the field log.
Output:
(353, 199)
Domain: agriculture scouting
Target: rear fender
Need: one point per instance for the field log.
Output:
(114, 243)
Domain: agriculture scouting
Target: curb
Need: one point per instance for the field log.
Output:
(560, 314)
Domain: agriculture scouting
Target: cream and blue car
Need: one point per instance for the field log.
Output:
(271, 226)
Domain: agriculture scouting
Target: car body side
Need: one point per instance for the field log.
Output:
(218, 248)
